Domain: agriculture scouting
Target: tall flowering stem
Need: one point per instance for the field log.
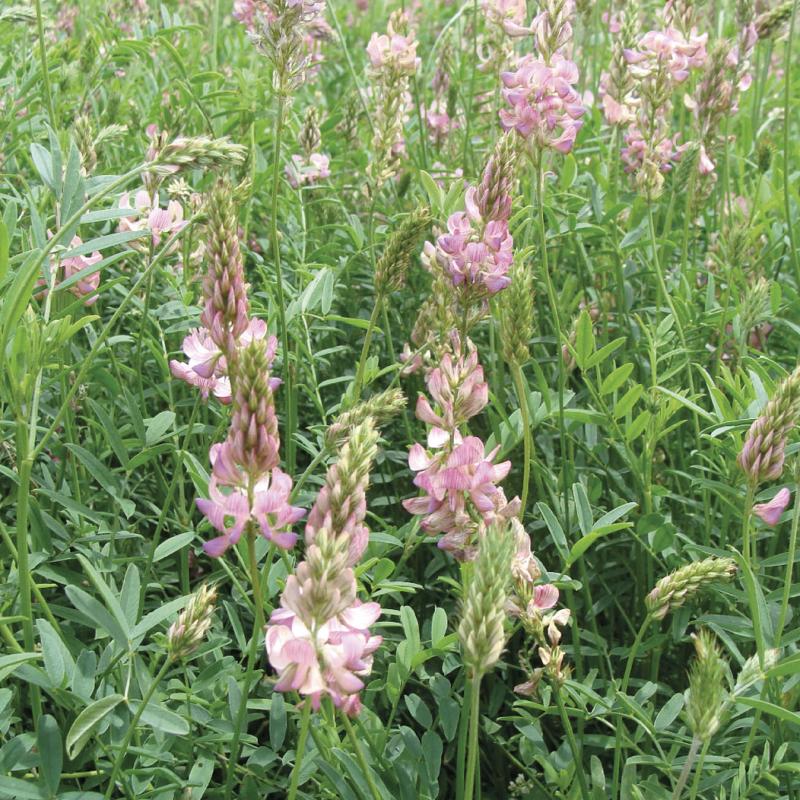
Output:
(461, 498)
(390, 276)
(545, 110)
(284, 31)
(288, 367)
(481, 630)
(318, 639)
(248, 493)
(393, 62)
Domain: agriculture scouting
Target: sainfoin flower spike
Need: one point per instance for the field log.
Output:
(706, 694)
(393, 60)
(458, 477)
(762, 455)
(247, 487)
(675, 589)
(482, 631)
(188, 631)
(318, 640)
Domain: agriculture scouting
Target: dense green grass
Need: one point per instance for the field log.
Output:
(642, 334)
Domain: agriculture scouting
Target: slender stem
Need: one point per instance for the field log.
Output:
(562, 374)
(746, 517)
(288, 374)
(623, 690)
(461, 746)
(132, 727)
(104, 334)
(699, 771)
(23, 569)
(527, 435)
(573, 744)
(258, 626)
(787, 581)
(788, 72)
(662, 284)
(305, 719)
(332, 10)
(162, 518)
(215, 34)
(472, 747)
(362, 361)
(633, 651)
(359, 750)
(687, 769)
(48, 95)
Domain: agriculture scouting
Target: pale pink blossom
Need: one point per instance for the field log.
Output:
(612, 21)
(474, 257)
(665, 153)
(543, 105)
(88, 284)
(207, 367)
(151, 217)
(307, 171)
(330, 659)
(393, 51)
(771, 511)
(524, 566)
(450, 479)
(669, 49)
(229, 510)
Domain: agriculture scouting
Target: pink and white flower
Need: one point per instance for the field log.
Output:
(207, 367)
(229, 510)
(328, 659)
(151, 217)
(393, 51)
(544, 106)
(307, 171)
(772, 511)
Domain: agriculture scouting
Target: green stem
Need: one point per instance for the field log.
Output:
(104, 334)
(662, 284)
(687, 769)
(215, 35)
(472, 748)
(573, 745)
(362, 761)
(746, 517)
(623, 690)
(553, 301)
(258, 626)
(48, 95)
(162, 518)
(132, 727)
(305, 719)
(787, 581)
(338, 28)
(461, 746)
(362, 361)
(699, 771)
(23, 569)
(527, 435)
(787, 66)
(276, 257)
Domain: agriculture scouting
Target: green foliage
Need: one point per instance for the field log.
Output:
(648, 334)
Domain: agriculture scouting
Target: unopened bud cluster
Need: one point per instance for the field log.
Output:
(762, 455)
(673, 590)
(482, 628)
(188, 631)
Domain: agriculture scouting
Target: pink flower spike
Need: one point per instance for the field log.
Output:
(771, 511)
